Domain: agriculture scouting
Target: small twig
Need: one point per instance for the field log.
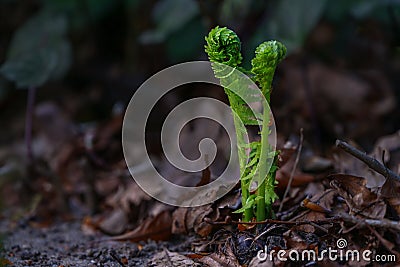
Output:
(271, 221)
(293, 170)
(28, 123)
(369, 161)
(362, 222)
(359, 222)
(319, 227)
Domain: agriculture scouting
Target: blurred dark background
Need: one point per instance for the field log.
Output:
(87, 57)
(349, 48)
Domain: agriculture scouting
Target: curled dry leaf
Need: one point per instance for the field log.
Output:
(358, 197)
(185, 220)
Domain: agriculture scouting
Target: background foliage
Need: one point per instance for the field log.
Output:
(113, 46)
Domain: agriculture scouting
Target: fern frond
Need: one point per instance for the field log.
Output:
(223, 49)
(268, 55)
(223, 46)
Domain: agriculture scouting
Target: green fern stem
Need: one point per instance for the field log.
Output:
(268, 55)
(223, 46)
(247, 213)
(262, 171)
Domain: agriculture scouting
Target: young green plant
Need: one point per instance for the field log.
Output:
(223, 49)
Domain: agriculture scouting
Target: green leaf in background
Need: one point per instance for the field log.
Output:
(38, 52)
(169, 16)
(290, 23)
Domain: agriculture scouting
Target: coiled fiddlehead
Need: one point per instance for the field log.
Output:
(223, 46)
(268, 56)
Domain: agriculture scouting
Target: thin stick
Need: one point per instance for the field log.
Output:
(293, 170)
(362, 223)
(319, 227)
(272, 221)
(28, 123)
(369, 161)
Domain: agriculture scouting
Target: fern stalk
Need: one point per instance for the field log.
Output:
(263, 172)
(223, 49)
(247, 213)
(268, 55)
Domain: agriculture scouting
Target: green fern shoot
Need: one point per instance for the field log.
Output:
(223, 49)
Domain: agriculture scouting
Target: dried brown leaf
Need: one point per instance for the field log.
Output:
(308, 216)
(358, 197)
(185, 220)
(221, 259)
(294, 241)
(124, 197)
(155, 228)
(324, 198)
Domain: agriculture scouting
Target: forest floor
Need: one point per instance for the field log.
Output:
(64, 244)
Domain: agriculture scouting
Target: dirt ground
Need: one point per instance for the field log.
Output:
(64, 244)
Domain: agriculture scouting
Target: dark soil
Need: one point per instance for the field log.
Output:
(64, 244)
